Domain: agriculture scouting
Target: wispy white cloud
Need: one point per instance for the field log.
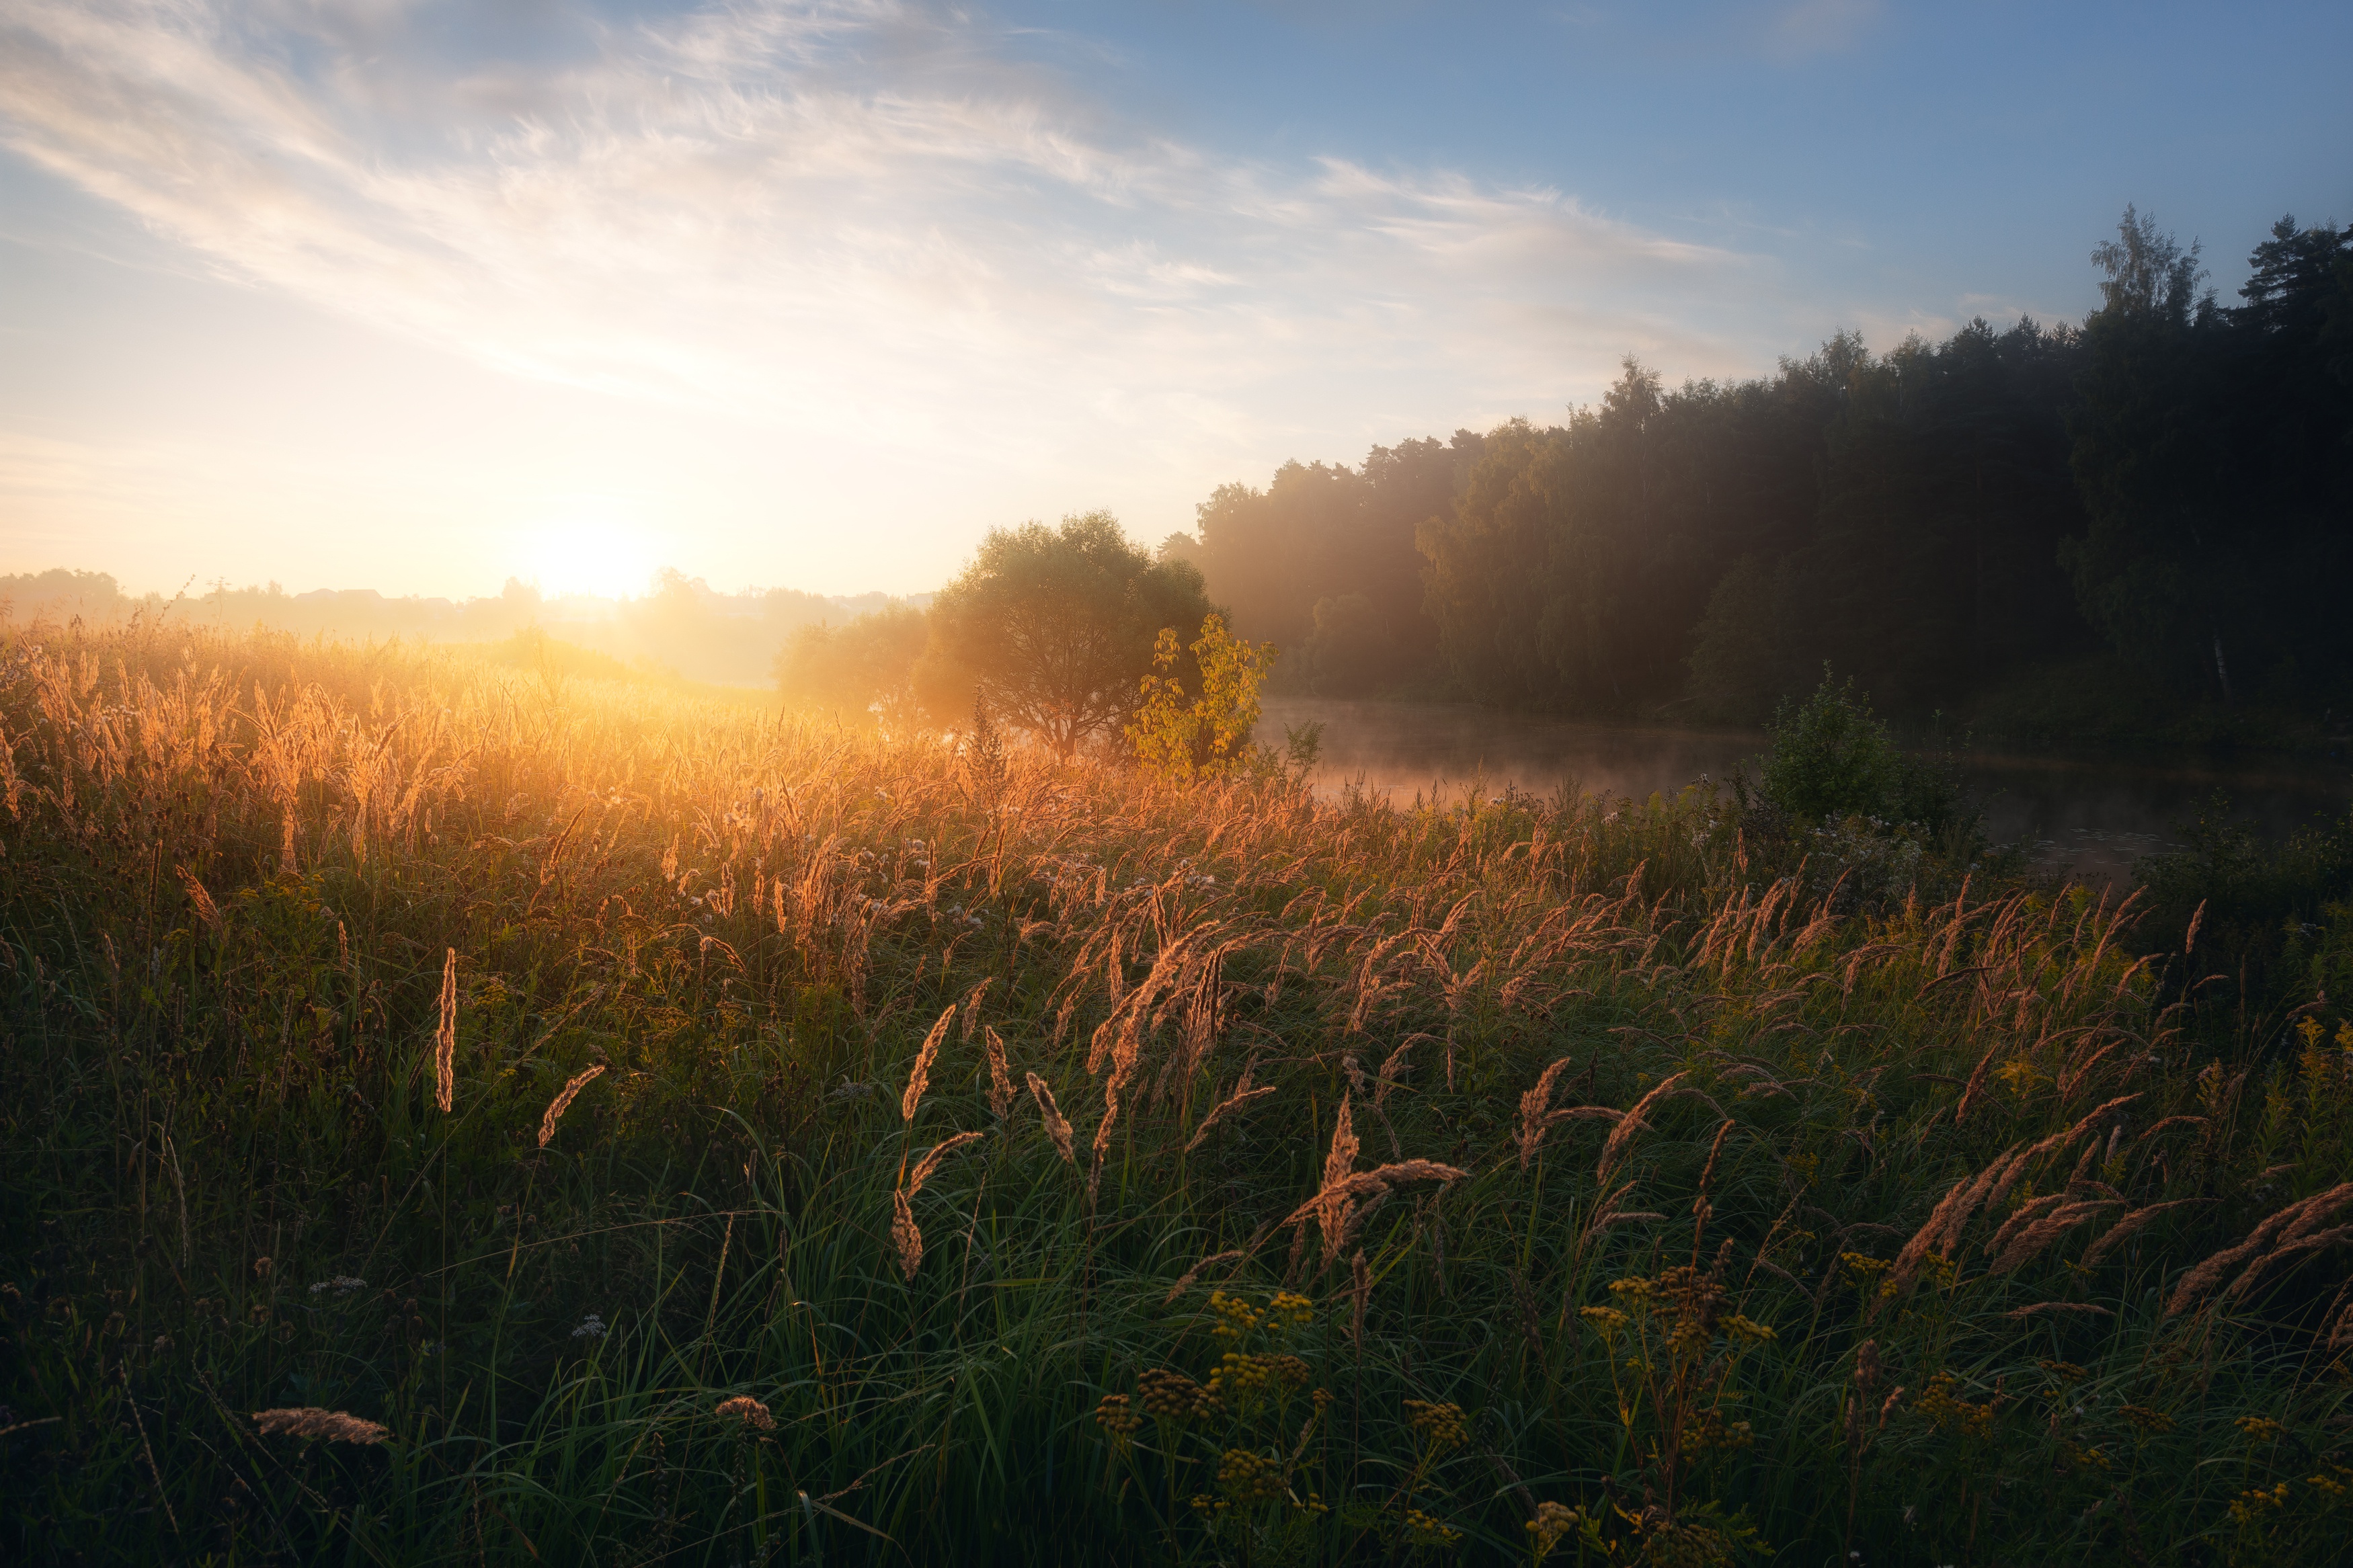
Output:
(803, 209)
(862, 225)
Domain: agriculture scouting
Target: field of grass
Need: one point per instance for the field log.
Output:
(624, 1127)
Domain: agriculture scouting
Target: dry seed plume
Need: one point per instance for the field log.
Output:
(1334, 1205)
(2032, 1239)
(972, 1008)
(1631, 1123)
(1000, 1074)
(1184, 1281)
(1243, 1095)
(2122, 1231)
(2293, 1226)
(921, 1074)
(311, 1421)
(207, 910)
(563, 1102)
(754, 1415)
(927, 1167)
(444, 1039)
(905, 1233)
(1339, 1163)
(1056, 1128)
(1535, 1121)
(1944, 1226)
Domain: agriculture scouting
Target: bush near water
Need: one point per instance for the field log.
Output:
(1003, 1159)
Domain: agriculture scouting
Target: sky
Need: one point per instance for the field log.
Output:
(419, 295)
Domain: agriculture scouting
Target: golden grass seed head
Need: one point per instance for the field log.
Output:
(311, 1421)
(750, 1412)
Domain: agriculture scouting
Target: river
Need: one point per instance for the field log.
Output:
(2091, 819)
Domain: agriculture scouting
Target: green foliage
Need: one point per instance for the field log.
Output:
(1208, 734)
(1833, 759)
(2267, 916)
(2209, 447)
(1351, 651)
(1055, 628)
(2166, 481)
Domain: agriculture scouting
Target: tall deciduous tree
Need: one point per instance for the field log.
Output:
(1055, 626)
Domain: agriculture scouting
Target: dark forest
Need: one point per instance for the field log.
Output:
(2154, 503)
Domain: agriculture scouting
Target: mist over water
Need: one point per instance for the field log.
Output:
(2093, 819)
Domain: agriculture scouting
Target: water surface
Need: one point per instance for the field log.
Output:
(2092, 818)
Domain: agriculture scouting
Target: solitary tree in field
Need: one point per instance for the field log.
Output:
(1056, 625)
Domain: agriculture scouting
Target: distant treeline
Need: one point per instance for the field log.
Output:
(2169, 484)
(681, 625)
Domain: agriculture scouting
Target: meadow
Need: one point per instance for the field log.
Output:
(456, 1112)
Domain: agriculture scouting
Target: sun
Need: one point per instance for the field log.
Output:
(588, 554)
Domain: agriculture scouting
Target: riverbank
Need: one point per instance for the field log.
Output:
(2092, 817)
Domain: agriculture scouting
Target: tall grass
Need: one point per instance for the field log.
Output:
(1492, 1178)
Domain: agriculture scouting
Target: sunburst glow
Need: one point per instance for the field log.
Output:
(587, 552)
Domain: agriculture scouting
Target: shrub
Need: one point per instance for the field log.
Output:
(1832, 758)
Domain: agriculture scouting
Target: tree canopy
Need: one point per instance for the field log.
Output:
(1055, 628)
(2168, 486)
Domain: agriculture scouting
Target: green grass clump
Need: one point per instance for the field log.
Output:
(1499, 1180)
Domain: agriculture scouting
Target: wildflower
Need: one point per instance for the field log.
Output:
(1289, 1309)
(1423, 1529)
(1236, 1317)
(1747, 1331)
(592, 1327)
(2259, 1428)
(1441, 1426)
(1170, 1395)
(1115, 1417)
(1247, 1478)
(1553, 1521)
(1861, 1268)
(1709, 1431)
(1947, 1409)
(341, 1285)
(2148, 1422)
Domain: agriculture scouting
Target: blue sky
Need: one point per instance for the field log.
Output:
(418, 295)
